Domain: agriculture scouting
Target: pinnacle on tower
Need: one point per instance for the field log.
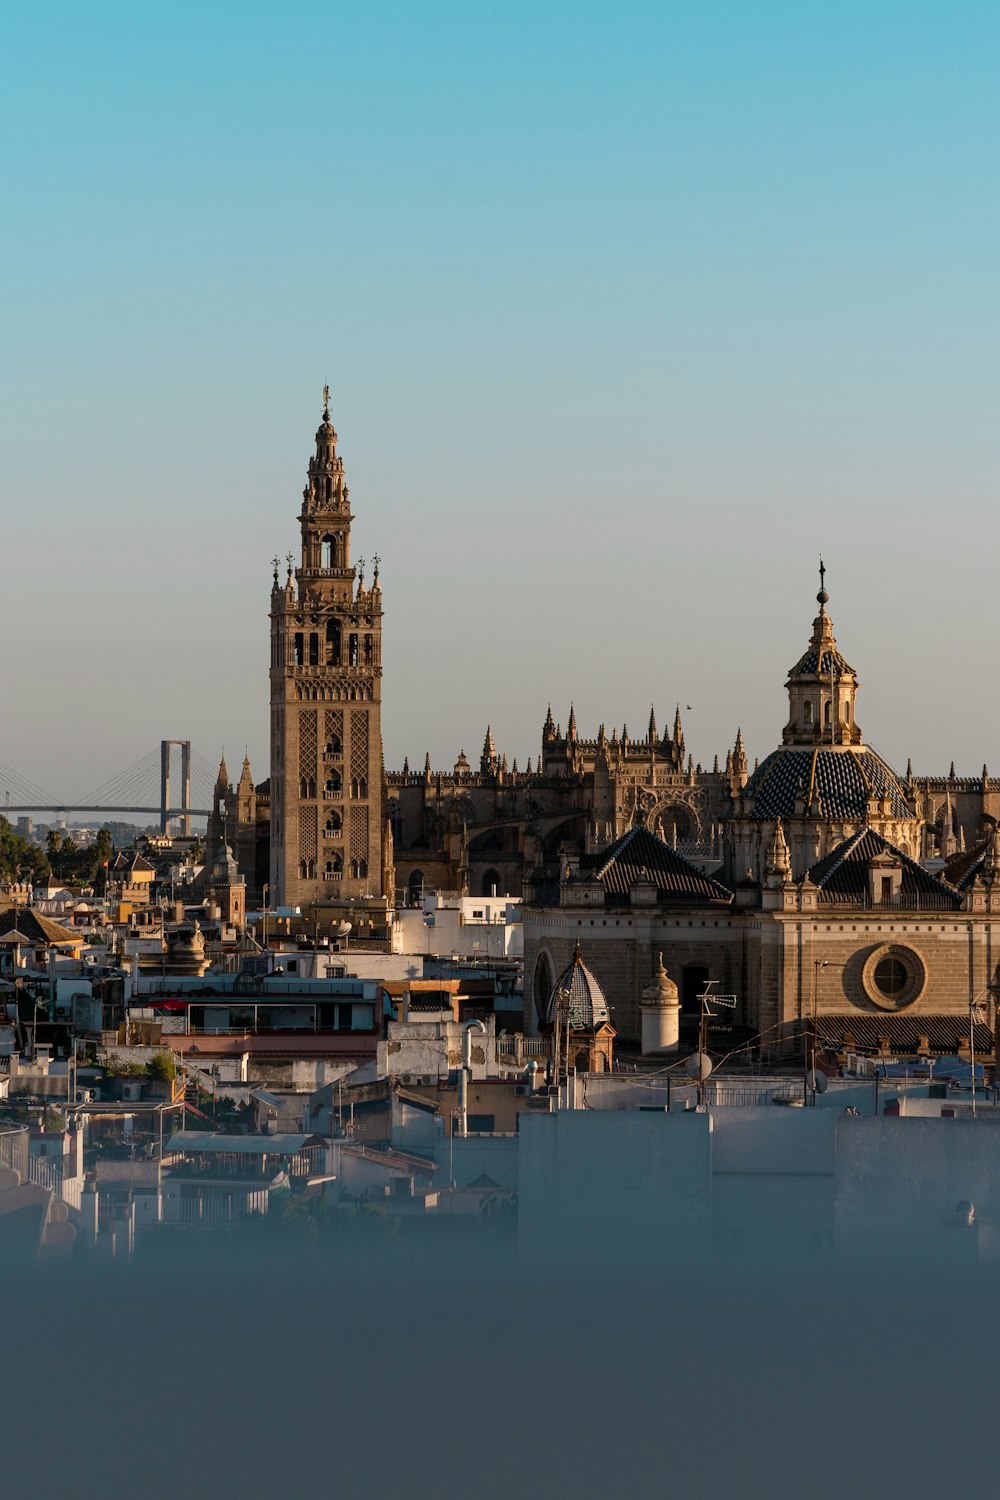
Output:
(488, 759)
(739, 754)
(549, 727)
(223, 777)
(678, 731)
(406, 765)
(571, 724)
(651, 732)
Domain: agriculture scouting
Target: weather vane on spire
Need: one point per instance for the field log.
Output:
(326, 402)
(822, 597)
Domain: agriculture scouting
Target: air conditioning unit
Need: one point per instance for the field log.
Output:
(520, 1090)
(85, 1096)
(64, 1010)
(132, 1092)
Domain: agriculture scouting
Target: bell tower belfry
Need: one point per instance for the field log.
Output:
(326, 692)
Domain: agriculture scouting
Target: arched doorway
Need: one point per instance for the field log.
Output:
(491, 883)
(415, 888)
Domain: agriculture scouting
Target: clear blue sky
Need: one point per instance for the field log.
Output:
(628, 312)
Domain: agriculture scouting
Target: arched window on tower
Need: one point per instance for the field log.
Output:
(313, 649)
(808, 710)
(352, 651)
(327, 553)
(368, 650)
(333, 637)
(299, 648)
(826, 713)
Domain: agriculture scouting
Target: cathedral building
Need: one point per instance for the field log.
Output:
(329, 843)
(818, 888)
(822, 915)
(492, 829)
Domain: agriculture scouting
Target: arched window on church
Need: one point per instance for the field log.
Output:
(362, 869)
(415, 887)
(542, 985)
(491, 883)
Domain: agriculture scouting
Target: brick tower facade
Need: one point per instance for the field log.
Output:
(327, 824)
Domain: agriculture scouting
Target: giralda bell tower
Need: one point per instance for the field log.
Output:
(328, 844)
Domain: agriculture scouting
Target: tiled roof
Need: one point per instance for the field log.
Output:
(826, 662)
(34, 927)
(640, 856)
(839, 781)
(577, 992)
(943, 1033)
(962, 869)
(843, 873)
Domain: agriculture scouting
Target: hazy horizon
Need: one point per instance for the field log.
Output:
(626, 319)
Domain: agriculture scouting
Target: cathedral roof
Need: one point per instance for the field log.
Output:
(578, 991)
(962, 869)
(834, 783)
(844, 873)
(640, 856)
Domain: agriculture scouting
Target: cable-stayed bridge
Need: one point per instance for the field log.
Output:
(155, 785)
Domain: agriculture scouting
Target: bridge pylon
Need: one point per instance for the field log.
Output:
(185, 803)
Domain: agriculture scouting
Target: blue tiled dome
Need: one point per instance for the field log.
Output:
(833, 783)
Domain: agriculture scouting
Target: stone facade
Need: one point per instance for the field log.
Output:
(827, 917)
(473, 830)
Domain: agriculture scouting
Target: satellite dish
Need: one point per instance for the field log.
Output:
(698, 1066)
(818, 1082)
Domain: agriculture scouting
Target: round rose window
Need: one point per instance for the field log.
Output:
(893, 976)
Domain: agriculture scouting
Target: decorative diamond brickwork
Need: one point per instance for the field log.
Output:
(359, 833)
(307, 744)
(307, 833)
(359, 743)
(333, 731)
